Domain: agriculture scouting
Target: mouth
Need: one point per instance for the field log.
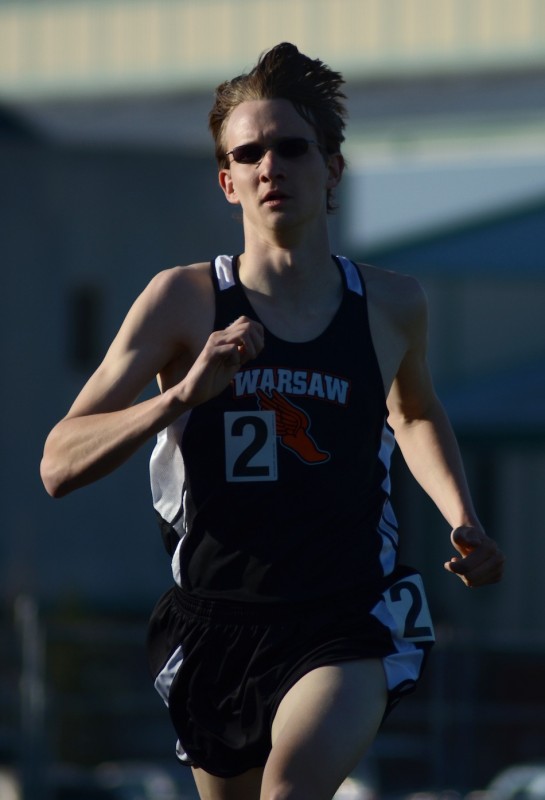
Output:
(274, 198)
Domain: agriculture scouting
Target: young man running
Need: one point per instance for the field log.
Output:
(286, 376)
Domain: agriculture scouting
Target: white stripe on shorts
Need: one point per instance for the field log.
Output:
(165, 678)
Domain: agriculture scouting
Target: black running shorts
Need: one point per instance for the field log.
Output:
(223, 668)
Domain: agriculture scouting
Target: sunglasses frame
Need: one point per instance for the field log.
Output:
(275, 147)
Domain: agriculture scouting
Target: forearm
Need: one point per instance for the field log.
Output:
(430, 449)
(82, 449)
(92, 441)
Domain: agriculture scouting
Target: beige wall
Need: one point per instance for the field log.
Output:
(78, 46)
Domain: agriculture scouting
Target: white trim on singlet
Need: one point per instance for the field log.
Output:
(167, 473)
(176, 562)
(387, 526)
(224, 272)
(353, 278)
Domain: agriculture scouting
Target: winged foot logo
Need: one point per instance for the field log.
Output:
(292, 425)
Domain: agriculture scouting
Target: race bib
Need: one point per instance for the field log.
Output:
(250, 446)
(406, 601)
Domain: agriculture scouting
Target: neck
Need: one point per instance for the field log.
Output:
(264, 266)
(295, 298)
(292, 293)
(302, 246)
(286, 273)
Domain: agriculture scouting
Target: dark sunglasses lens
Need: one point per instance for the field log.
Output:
(248, 153)
(286, 148)
(292, 148)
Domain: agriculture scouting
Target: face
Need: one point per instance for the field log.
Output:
(280, 189)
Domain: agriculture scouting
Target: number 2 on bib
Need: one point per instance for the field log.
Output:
(250, 446)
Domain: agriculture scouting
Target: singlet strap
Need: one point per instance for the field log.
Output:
(354, 281)
(223, 272)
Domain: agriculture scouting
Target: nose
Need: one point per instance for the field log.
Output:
(271, 165)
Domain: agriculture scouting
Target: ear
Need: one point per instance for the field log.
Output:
(226, 182)
(335, 166)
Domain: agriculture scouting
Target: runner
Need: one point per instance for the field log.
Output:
(286, 376)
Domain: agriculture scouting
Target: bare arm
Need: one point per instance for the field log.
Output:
(430, 449)
(106, 425)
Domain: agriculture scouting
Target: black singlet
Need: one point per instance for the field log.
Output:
(278, 489)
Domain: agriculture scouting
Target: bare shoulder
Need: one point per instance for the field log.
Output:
(398, 296)
(182, 284)
(397, 310)
(161, 335)
(179, 300)
(179, 306)
(167, 318)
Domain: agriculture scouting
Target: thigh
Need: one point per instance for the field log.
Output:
(323, 727)
(242, 787)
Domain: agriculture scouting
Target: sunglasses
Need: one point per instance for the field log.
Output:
(253, 153)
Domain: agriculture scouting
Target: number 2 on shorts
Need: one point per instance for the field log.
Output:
(406, 602)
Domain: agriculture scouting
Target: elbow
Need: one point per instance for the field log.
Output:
(399, 422)
(52, 480)
(54, 466)
(405, 424)
(403, 417)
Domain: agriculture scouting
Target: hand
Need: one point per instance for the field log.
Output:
(220, 359)
(481, 560)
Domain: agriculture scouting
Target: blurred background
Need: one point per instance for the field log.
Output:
(106, 177)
